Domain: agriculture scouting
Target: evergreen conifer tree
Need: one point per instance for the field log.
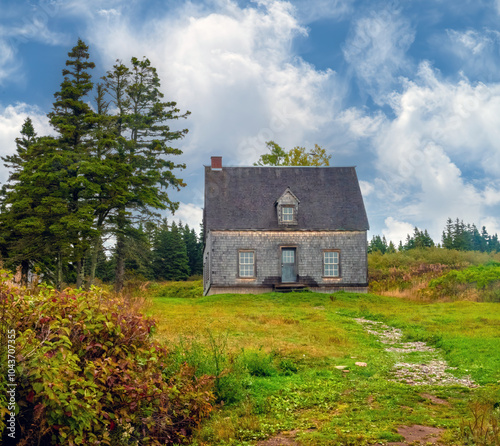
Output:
(74, 120)
(139, 257)
(20, 226)
(144, 139)
(103, 171)
(170, 259)
(194, 250)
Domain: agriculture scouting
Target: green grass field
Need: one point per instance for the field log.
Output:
(275, 358)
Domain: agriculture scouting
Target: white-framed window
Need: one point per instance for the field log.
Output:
(246, 263)
(287, 214)
(331, 264)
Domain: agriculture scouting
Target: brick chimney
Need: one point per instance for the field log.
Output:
(216, 162)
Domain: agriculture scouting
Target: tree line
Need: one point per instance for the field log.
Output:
(108, 170)
(456, 235)
(156, 251)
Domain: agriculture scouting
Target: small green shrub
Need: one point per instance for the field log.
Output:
(287, 367)
(87, 372)
(189, 289)
(259, 363)
(208, 355)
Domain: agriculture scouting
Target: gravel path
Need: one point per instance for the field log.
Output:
(432, 369)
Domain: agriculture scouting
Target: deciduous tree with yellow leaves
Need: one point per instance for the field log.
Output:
(298, 156)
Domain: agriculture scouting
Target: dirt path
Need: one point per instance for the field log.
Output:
(431, 369)
(414, 435)
(418, 435)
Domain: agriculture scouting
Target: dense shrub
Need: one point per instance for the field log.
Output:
(87, 372)
(449, 257)
(234, 371)
(416, 267)
(482, 277)
(189, 289)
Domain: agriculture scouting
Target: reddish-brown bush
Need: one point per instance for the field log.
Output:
(88, 372)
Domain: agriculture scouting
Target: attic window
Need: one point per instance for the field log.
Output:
(287, 208)
(287, 214)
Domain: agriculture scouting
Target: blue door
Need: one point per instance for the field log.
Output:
(288, 265)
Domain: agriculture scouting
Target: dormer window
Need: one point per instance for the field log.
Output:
(287, 207)
(287, 214)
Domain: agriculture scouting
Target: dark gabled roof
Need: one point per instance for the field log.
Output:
(238, 198)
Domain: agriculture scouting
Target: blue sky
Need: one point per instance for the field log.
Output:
(407, 91)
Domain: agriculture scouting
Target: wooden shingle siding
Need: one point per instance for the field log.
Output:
(224, 246)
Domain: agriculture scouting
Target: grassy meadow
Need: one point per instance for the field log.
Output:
(275, 356)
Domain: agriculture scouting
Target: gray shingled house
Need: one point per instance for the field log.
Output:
(271, 228)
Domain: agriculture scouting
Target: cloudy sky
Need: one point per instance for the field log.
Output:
(407, 91)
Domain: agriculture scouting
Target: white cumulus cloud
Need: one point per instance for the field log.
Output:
(396, 231)
(234, 69)
(440, 156)
(190, 214)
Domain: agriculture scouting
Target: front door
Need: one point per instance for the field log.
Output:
(288, 265)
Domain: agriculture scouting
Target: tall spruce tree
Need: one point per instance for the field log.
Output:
(144, 139)
(73, 119)
(447, 236)
(34, 206)
(139, 254)
(108, 169)
(49, 189)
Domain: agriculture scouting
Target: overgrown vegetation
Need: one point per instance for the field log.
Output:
(420, 274)
(88, 372)
(482, 426)
(480, 280)
(188, 289)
